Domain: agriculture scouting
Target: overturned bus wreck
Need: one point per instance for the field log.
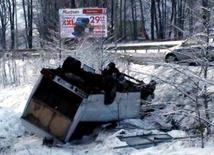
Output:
(67, 101)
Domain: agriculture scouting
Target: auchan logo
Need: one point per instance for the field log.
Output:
(71, 12)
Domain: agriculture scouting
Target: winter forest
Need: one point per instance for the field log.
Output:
(183, 101)
(33, 24)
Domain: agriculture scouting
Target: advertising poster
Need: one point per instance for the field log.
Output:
(90, 22)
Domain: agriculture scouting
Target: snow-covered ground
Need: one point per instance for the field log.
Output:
(16, 140)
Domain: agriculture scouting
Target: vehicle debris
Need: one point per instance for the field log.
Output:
(148, 140)
(70, 101)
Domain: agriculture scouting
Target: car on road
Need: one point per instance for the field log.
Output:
(192, 50)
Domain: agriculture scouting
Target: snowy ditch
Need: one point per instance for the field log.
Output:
(180, 88)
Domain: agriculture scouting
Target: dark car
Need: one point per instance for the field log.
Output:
(193, 50)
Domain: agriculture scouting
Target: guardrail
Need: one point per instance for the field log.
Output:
(120, 46)
(20, 53)
(142, 46)
(23, 50)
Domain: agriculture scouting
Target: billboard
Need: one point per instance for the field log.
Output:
(91, 22)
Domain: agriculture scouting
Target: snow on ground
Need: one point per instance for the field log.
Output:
(16, 140)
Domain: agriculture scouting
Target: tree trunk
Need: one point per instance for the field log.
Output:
(120, 20)
(206, 23)
(133, 20)
(205, 12)
(73, 4)
(124, 19)
(152, 13)
(181, 9)
(30, 23)
(11, 7)
(143, 28)
(164, 18)
(3, 29)
(25, 20)
(175, 22)
(112, 16)
(156, 22)
(172, 17)
(190, 10)
(160, 32)
(28, 18)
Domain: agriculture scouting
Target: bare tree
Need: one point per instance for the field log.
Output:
(7, 19)
(134, 20)
(124, 21)
(28, 18)
(11, 11)
(73, 4)
(127, 18)
(153, 13)
(4, 22)
(143, 27)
